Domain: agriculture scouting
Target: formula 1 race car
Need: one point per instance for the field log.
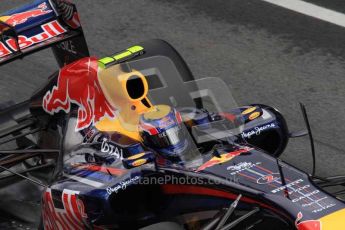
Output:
(134, 141)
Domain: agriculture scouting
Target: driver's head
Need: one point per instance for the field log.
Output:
(161, 129)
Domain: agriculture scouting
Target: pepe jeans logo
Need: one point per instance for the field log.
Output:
(111, 149)
(123, 185)
(257, 130)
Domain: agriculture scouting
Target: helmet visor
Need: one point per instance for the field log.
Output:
(170, 137)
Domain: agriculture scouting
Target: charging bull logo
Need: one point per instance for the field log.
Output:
(78, 84)
(307, 224)
(22, 17)
(267, 179)
(222, 159)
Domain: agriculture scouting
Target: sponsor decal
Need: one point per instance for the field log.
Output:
(254, 115)
(307, 224)
(267, 179)
(257, 130)
(222, 159)
(70, 215)
(123, 185)
(304, 196)
(238, 168)
(111, 149)
(50, 30)
(78, 84)
(306, 205)
(68, 46)
(310, 200)
(136, 156)
(299, 189)
(287, 186)
(139, 162)
(249, 110)
(323, 207)
(22, 17)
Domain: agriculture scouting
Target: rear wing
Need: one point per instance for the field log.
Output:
(39, 25)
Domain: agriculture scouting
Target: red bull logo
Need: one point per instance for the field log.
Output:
(222, 159)
(78, 84)
(22, 17)
(49, 30)
(268, 178)
(307, 224)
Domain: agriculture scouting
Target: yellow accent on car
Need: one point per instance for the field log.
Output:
(113, 82)
(136, 156)
(105, 61)
(131, 51)
(135, 49)
(333, 221)
(111, 125)
(249, 110)
(254, 115)
(122, 55)
(157, 112)
(139, 162)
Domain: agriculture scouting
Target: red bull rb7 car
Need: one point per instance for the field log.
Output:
(134, 141)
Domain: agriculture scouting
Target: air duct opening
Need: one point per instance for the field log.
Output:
(135, 87)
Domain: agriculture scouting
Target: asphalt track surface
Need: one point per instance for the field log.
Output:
(265, 53)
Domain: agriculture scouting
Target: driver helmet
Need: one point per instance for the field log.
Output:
(161, 129)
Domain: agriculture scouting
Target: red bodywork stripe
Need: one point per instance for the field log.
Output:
(69, 213)
(103, 169)
(264, 169)
(229, 116)
(203, 191)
